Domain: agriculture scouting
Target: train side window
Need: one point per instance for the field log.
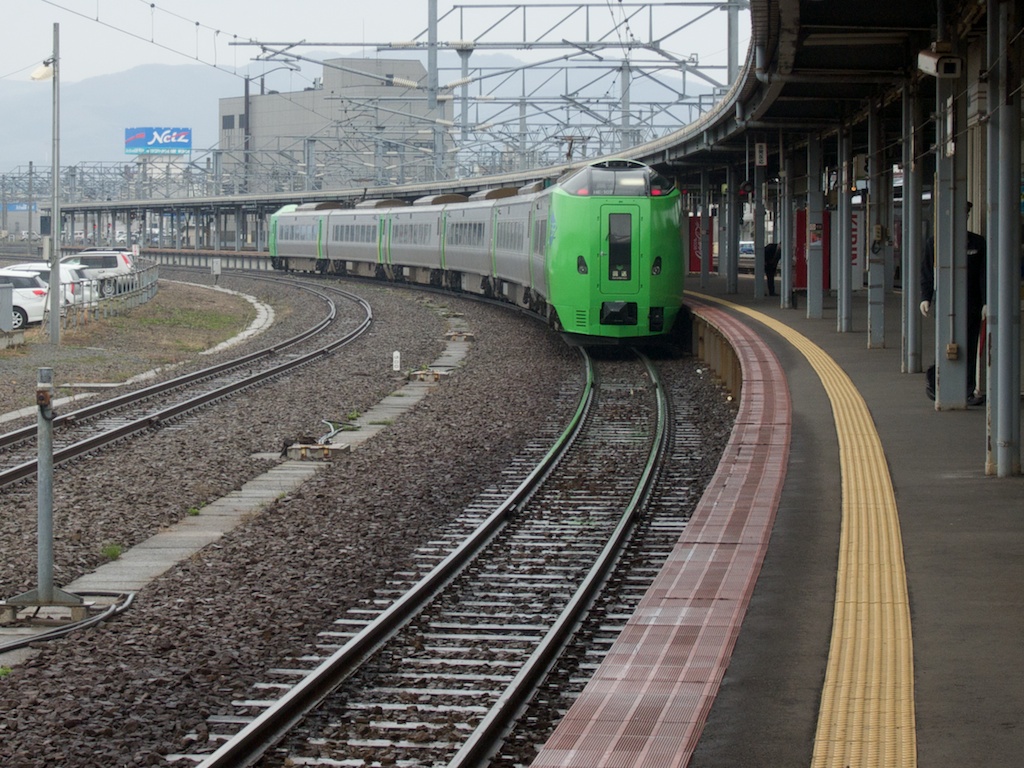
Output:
(620, 246)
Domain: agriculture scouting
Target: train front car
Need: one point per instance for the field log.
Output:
(615, 255)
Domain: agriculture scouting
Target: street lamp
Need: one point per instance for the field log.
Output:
(51, 69)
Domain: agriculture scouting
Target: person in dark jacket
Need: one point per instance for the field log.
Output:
(772, 254)
(976, 265)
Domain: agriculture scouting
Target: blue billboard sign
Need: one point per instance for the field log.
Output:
(157, 141)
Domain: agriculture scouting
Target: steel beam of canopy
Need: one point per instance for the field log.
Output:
(787, 241)
(814, 242)
(912, 220)
(844, 240)
(877, 237)
(950, 253)
(731, 241)
(759, 238)
(1003, 345)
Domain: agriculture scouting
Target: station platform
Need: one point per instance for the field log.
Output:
(957, 540)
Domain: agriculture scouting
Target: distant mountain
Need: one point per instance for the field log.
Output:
(95, 112)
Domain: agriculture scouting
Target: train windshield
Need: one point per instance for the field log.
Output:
(617, 180)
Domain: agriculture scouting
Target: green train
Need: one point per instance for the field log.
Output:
(598, 254)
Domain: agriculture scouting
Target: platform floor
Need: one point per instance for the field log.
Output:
(963, 545)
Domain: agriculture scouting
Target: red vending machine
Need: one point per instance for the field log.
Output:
(800, 270)
(695, 244)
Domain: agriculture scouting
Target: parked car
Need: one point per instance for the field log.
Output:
(110, 267)
(76, 287)
(29, 296)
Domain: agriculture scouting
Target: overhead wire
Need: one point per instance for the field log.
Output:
(154, 9)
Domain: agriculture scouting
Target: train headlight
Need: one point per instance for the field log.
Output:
(656, 266)
(581, 265)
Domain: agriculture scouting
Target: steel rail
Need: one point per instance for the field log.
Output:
(26, 433)
(497, 723)
(252, 742)
(27, 469)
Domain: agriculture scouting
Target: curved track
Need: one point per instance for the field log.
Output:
(90, 428)
(483, 627)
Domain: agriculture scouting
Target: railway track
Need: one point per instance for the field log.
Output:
(92, 427)
(672, 501)
(435, 673)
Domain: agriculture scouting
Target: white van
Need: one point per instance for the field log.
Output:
(111, 267)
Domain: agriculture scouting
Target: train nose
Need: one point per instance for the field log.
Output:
(618, 313)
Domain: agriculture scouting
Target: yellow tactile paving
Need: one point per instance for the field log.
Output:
(866, 718)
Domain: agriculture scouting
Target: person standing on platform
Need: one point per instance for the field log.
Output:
(771, 265)
(976, 265)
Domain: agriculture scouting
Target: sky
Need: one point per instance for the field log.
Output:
(104, 36)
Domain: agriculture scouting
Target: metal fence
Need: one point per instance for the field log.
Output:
(92, 300)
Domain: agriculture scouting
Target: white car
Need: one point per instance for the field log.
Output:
(76, 287)
(29, 296)
(111, 267)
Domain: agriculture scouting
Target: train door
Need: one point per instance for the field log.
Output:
(620, 249)
(384, 240)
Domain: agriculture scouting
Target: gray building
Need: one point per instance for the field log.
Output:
(365, 122)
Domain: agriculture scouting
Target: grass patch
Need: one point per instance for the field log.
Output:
(111, 551)
(178, 322)
(191, 319)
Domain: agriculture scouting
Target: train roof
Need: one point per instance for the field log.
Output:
(494, 194)
(326, 205)
(451, 197)
(384, 203)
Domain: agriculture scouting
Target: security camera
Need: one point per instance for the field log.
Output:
(940, 65)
